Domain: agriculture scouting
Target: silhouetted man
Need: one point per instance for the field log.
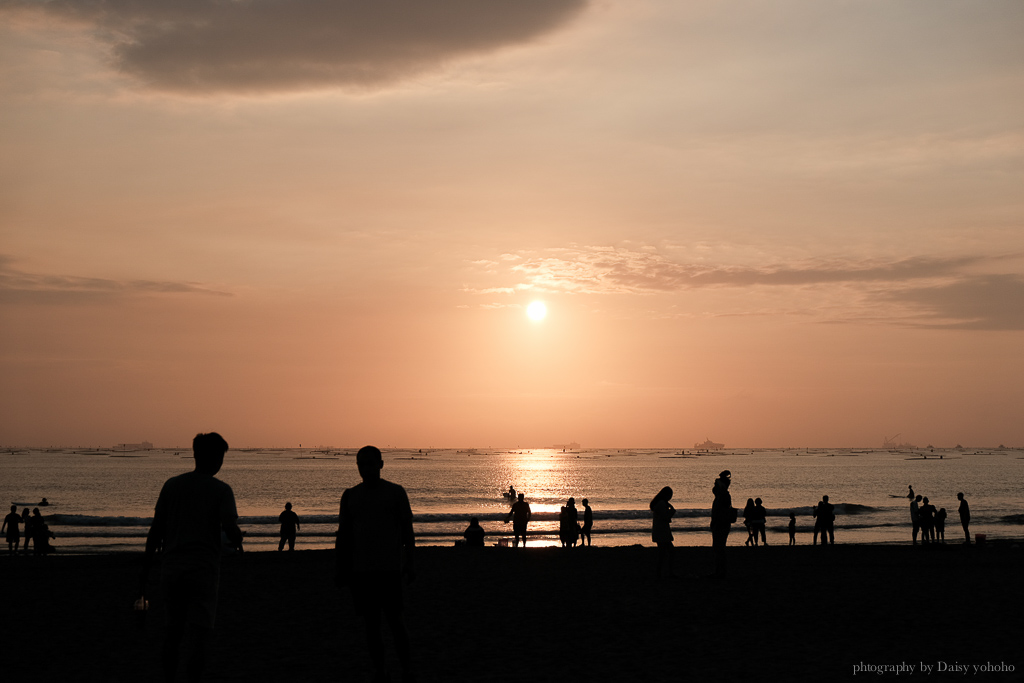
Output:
(520, 515)
(192, 510)
(374, 548)
(12, 525)
(722, 517)
(588, 523)
(965, 517)
(474, 534)
(289, 527)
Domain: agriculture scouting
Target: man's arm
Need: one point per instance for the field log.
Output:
(229, 520)
(154, 542)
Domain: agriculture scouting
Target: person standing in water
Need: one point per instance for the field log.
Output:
(661, 532)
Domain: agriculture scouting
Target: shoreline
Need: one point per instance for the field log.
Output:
(547, 614)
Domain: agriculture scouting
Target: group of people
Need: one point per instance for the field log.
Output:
(931, 523)
(570, 531)
(36, 531)
(723, 516)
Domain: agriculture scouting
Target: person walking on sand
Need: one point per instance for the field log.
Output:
(12, 524)
(289, 527)
(748, 521)
(661, 531)
(792, 528)
(915, 518)
(588, 523)
(192, 511)
(520, 515)
(827, 515)
(965, 517)
(760, 521)
(723, 515)
(374, 550)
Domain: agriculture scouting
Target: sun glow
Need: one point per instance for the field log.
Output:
(537, 310)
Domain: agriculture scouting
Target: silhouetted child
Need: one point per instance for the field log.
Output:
(940, 524)
(792, 528)
(965, 517)
(474, 534)
(588, 522)
(374, 547)
(289, 526)
(661, 531)
(12, 524)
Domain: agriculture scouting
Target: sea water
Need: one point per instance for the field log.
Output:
(102, 500)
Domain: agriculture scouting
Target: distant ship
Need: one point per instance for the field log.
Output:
(709, 445)
(890, 443)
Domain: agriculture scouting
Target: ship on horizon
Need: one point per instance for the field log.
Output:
(709, 445)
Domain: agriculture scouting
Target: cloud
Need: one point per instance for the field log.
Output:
(20, 287)
(202, 46)
(983, 302)
(601, 270)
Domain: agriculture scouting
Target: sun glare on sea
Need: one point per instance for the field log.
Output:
(537, 310)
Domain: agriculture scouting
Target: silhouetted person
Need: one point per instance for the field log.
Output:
(792, 528)
(661, 531)
(826, 513)
(12, 525)
(474, 534)
(940, 524)
(927, 521)
(41, 534)
(588, 523)
(374, 549)
(563, 536)
(44, 503)
(965, 516)
(191, 512)
(723, 515)
(572, 524)
(26, 525)
(520, 515)
(748, 521)
(289, 527)
(760, 521)
(910, 493)
(817, 523)
(511, 492)
(915, 518)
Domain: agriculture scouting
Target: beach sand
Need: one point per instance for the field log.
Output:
(500, 614)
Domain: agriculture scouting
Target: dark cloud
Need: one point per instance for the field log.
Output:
(983, 302)
(20, 287)
(263, 45)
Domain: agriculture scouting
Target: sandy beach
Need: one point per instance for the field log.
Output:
(785, 613)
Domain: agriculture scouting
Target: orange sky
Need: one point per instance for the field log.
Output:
(770, 224)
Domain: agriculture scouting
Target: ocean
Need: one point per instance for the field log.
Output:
(102, 500)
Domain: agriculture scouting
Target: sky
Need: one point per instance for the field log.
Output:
(321, 222)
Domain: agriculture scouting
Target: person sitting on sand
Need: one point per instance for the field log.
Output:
(723, 515)
(289, 527)
(915, 518)
(826, 513)
(661, 532)
(792, 528)
(12, 524)
(374, 549)
(520, 515)
(588, 523)
(748, 521)
(965, 516)
(474, 534)
(940, 524)
(192, 511)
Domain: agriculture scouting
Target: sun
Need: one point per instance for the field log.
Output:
(537, 310)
